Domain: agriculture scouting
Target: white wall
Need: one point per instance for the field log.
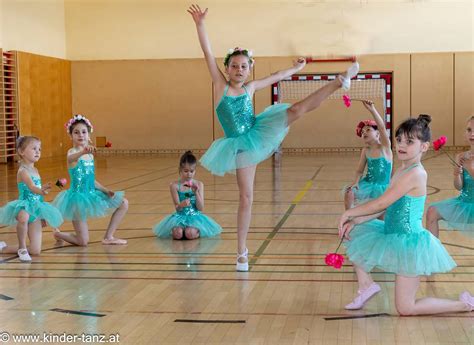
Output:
(34, 26)
(154, 29)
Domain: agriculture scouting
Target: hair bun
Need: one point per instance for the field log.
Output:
(424, 118)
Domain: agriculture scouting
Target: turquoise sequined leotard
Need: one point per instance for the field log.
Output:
(188, 216)
(31, 203)
(458, 213)
(399, 244)
(249, 139)
(82, 200)
(376, 180)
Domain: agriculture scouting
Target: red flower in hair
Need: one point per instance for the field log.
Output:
(364, 123)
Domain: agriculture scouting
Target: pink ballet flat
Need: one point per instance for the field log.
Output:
(363, 296)
(467, 299)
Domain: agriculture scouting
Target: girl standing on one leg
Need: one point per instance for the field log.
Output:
(250, 139)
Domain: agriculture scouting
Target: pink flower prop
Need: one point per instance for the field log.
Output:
(61, 182)
(347, 100)
(439, 143)
(333, 259)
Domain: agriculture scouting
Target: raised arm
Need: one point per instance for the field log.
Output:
(73, 155)
(199, 16)
(384, 138)
(258, 84)
(457, 172)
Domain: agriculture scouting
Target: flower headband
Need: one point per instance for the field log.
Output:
(76, 118)
(238, 51)
(364, 123)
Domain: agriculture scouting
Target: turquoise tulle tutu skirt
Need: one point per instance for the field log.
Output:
(408, 254)
(206, 225)
(457, 215)
(36, 210)
(92, 204)
(228, 154)
(368, 191)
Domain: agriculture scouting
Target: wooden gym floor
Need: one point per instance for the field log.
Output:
(155, 291)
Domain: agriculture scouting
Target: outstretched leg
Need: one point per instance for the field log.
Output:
(315, 99)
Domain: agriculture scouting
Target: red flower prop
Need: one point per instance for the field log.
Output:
(333, 259)
(347, 100)
(61, 182)
(108, 144)
(438, 145)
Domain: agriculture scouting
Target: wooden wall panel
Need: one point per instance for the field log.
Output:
(432, 91)
(45, 100)
(463, 94)
(146, 104)
(167, 104)
(329, 125)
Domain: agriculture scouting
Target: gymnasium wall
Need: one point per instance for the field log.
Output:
(161, 29)
(167, 104)
(34, 26)
(45, 100)
(135, 66)
(1, 24)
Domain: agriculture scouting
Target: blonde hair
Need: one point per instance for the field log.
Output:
(23, 141)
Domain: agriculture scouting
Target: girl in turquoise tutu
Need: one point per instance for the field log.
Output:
(376, 155)
(87, 198)
(457, 213)
(250, 139)
(400, 244)
(188, 222)
(30, 209)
